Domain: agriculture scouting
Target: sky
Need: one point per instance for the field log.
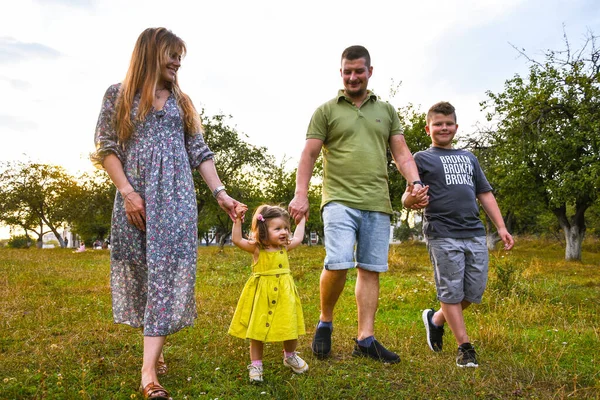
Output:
(268, 64)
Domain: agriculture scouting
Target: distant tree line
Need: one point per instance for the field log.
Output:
(541, 153)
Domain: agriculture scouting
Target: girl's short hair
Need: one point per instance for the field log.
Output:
(259, 232)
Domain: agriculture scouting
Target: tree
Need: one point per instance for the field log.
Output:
(92, 211)
(413, 124)
(36, 197)
(242, 168)
(282, 187)
(547, 141)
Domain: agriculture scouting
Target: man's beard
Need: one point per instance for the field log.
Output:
(356, 92)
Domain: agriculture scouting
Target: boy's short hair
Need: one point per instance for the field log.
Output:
(442, 107)
(356, 52)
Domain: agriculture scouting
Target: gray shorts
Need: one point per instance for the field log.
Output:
(355, 238)
(460, 268)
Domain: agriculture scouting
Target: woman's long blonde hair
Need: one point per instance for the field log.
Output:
(151, 52)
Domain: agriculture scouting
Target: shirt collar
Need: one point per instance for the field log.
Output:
(341, 96)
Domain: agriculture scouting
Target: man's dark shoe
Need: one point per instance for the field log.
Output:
(377, 352)
(466, 356)
(321, 345)
(435, 335)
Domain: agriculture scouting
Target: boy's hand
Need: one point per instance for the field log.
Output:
(507, 238)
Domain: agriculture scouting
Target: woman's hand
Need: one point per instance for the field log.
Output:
(135, 209)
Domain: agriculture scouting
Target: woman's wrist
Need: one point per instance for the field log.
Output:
(126, 190)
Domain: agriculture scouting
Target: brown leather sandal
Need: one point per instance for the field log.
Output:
(161, 368)
(154, 391)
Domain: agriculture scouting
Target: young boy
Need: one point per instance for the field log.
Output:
(454, 232)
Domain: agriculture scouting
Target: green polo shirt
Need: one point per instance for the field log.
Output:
(355, 142)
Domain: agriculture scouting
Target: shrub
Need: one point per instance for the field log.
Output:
(19, 242)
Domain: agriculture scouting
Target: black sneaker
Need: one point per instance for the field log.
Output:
(466, 356)
(435, 335)
(377, 352)
(321, 345)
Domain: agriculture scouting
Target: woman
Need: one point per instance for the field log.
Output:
(148, 138)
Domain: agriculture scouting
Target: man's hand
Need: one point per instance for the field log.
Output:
(299, 207)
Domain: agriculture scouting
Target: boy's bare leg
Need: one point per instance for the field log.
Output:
(367, 300)
(453, 314)
(331, 287)
(439, 319)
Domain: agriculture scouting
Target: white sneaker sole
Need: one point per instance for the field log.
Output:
(297, 370)
(468, 365)
(426, 322)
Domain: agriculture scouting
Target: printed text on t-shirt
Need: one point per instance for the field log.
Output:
(458, 170)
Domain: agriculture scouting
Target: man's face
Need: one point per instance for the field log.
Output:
(355, 76)
(442, 129)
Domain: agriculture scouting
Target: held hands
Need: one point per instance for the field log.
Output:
(240, 211)
(228, 204)
(298, 208)
(135, 210)
(415, 197)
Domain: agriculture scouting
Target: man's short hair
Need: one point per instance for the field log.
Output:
(442, 107)
(356, 52)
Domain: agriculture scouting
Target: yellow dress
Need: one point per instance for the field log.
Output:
(269, 307)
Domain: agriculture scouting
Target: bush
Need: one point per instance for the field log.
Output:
(508, 274)
(19, 242)
(404, 233)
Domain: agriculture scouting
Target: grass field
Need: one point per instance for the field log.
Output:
(537, 331)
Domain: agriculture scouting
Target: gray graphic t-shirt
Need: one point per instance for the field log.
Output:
(455, 179)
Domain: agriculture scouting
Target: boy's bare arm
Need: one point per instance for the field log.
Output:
(298, 235)
(489, 204)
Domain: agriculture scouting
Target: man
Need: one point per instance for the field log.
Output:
(354, 130)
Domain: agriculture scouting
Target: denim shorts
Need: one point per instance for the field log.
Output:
(460, 268)
(355, 238)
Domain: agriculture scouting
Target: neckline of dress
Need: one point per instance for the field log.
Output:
(162, 110)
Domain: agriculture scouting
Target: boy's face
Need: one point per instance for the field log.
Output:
(355, 75)
(442, 129)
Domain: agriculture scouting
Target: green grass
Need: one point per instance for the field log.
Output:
(536, 332)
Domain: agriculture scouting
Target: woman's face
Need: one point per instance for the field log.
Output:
(168, 71)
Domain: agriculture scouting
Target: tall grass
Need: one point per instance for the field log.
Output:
(536, 332)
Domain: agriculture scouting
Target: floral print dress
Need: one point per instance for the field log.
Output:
(153, 273)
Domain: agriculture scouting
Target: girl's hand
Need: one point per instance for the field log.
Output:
(135, 209)
(240, 210)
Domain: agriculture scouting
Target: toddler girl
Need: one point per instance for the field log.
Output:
(269, 308)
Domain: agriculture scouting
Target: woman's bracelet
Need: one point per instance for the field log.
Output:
(218, 190)
(127, 195)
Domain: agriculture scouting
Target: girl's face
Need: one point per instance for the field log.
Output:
(168, 71)
(277, 232)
